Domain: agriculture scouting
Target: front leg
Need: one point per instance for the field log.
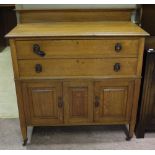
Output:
(130, 131)
(24, 134)
(21, 110)
(132, 122)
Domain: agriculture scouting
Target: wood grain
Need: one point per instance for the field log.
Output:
(134, 107)
(14, 58)
(78, 100)
(41, 101)
(140, 56)
(78, 67)
(72, 15)
(82, 48)
(77, 29)
(21, 109)
(114, 101)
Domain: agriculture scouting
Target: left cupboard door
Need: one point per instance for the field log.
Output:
(43, 102)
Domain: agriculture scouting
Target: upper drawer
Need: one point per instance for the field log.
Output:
(77, 48)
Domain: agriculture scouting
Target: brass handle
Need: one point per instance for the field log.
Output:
(36, 50)
(60, 102)
(117, 67)
(38, 68)
(97, 101)
(118, 47)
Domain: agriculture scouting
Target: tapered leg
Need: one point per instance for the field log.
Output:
(24, 134)
(21, 110)
(131, 131)
(134, 110)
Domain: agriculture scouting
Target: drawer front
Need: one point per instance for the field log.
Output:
(77, 48)
(78, 67)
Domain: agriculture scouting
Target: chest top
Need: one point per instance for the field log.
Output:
(77, 29)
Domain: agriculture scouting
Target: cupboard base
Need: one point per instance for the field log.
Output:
(73, 102)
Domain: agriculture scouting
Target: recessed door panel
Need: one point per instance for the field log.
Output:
(44, 102)
(113, 100)
(78, 99)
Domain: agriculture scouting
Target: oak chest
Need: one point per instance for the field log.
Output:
(77, 73)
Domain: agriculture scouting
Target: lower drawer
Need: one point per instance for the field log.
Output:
(78, 67)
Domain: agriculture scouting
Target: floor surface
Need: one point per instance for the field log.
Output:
(72, 138)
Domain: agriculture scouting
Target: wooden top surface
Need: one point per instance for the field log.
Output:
(77, 29)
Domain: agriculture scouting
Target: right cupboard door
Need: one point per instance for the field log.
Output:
(113, 101)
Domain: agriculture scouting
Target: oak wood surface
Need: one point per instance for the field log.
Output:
(78, 101)
(14, 58)
(82, 48)
(78, 70)
(77, 29)
(132, 123)
(21, 108)
(41, 102)
(140, 55)
(114, 112)
(78, 67)
(81, 15)
(114, 101)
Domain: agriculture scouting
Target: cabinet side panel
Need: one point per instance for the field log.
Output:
(140, 56)
(14, 58)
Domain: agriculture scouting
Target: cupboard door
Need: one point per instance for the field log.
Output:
(113, 101)
(78, 100)
(43, 102)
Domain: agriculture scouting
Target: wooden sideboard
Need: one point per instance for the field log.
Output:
(146, 108)
(77, 73)
(146, 112)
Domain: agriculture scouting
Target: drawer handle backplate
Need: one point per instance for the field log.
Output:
(117, 67)
(36, 50)
(38, 68)
(118, 47)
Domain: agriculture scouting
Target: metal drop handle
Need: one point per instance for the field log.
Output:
(36, 50)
